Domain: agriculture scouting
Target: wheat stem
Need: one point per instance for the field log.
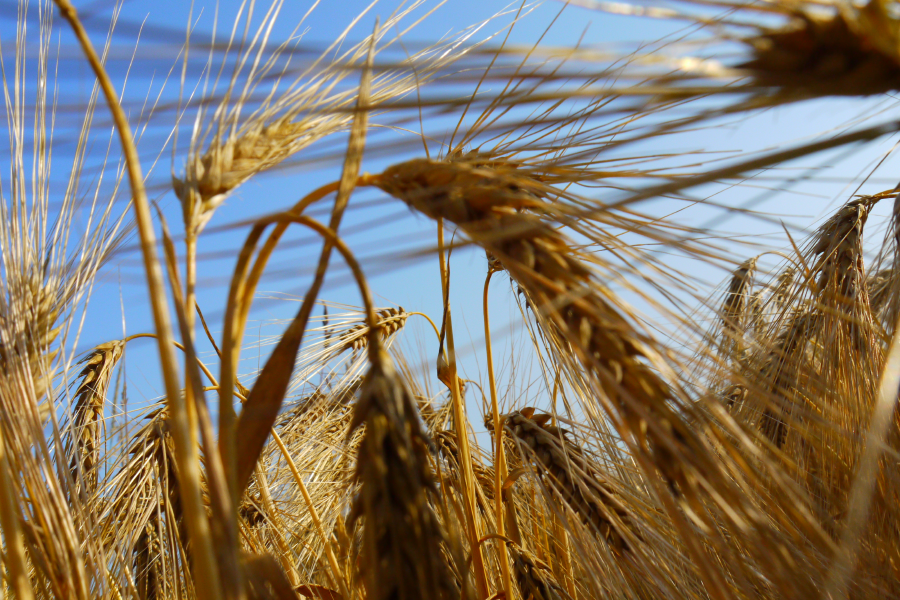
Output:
(462, 433)
(12, 531)
(499, 453)
(187, 455)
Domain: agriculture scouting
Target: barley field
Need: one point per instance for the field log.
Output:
(231, 236)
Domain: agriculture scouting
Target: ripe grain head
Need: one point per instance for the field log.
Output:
(88, 426)
(401, 532)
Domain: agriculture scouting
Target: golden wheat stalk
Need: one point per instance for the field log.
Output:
(148, 571)
(782, 369)
(187, 455)
(795, 50)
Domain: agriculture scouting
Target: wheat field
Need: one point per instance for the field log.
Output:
(672, 366)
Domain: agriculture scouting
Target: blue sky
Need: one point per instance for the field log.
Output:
(385, 233)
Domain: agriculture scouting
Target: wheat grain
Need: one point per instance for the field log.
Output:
(147, 570)
(782, 286)
(782, 369)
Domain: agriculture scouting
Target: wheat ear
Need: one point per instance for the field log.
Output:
(847, 52)
(89, 404)
(390, 321)
(401, 533)
(486, 205)
(573, 476)
(505, 215)
(534, 576)
(734, 309)
(29, 328)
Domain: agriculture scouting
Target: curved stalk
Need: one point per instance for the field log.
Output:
(187, 455)
(262, 405)
(499, 454)
(435, 327)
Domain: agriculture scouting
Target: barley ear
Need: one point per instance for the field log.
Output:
(90, 400)
(535, 578)
(402, 537)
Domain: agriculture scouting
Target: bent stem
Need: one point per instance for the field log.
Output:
(499, 454)
(433, 326)
(265, 399)
(186, 453)
(243, 287)
(262, 259)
